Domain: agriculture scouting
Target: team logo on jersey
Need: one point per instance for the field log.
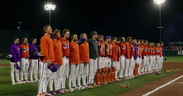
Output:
(65, 46)
(123, 47)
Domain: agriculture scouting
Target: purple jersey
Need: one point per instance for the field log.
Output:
(136, 52)
(15, 52)
(33, 51)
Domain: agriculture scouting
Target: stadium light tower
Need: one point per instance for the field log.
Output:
(159, 3)
(49, 7)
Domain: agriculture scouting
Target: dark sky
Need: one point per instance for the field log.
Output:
(137, 18)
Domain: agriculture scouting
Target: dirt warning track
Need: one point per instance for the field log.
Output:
(171, 89)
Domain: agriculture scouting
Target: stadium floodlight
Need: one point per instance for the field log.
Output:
(159, 3)
(49, 7)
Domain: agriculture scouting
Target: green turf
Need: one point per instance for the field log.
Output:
(174, 59)
(6, 89)
(4, 61)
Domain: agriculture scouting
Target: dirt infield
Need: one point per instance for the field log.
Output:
(4, 64)
(174, 89)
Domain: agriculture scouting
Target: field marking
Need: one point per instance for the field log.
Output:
(150, 92)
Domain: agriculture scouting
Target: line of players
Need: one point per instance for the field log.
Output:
(84, 58)
(24, 61)
(68, 63)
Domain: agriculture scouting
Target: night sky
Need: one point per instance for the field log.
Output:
(136, 18)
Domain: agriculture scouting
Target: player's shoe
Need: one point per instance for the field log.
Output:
(71, 90)
(13, 83)
(18, 82)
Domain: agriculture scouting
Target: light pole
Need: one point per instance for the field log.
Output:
(49, 7)
(159, 3)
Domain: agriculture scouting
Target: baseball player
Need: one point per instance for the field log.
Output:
(94, 54)
(47, 51)
(128, 58)
(136, 58)
(24, 50)
(74, 60)
(108, 51)
(101, 47)
(149, 57)
(162, 55)
(153, 57)
(158, 57)
(115, 56)
(15, 61)
(132, 60)
(33, 51)
(142, 67)
(84, 59)
(66, 54)
(139, 59)
(122, 57)
(57, 45)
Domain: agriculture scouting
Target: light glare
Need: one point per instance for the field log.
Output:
(49, 6)
(159, 2)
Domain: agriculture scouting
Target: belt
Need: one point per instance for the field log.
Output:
(66, 56)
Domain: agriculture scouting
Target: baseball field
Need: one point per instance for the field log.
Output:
(142, 85)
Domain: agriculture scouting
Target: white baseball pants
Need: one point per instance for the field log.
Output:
(15, 71)
(24, 69)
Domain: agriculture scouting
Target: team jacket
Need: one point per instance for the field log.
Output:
(84, 52)
(158, 51)
(123, 48)
(24, 50)
(128, 51)
(135, 52)
(101, 47)
(46, 46)
(108, 48)
(115, 52)
(74, 53)
(132, 51)
(33, 51)
(57, 45)
(93, 48)
(15, 52)
(65, 47)
(139, 51)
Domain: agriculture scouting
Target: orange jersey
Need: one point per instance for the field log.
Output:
(161, 51)
(123, 48)
(132, 52)
(145, 49)
(57, 51)
(74, 53)
(139, 51)
(149, 50)
(115, 52)
(24, 50)
(84, 52)
(108, 48)
(46, 46)
(128, 51)
(153, 51)
(158, 51)
(65, 47)
(101, 48)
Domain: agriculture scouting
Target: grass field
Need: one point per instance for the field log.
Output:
(6, 89)
(174, 59)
